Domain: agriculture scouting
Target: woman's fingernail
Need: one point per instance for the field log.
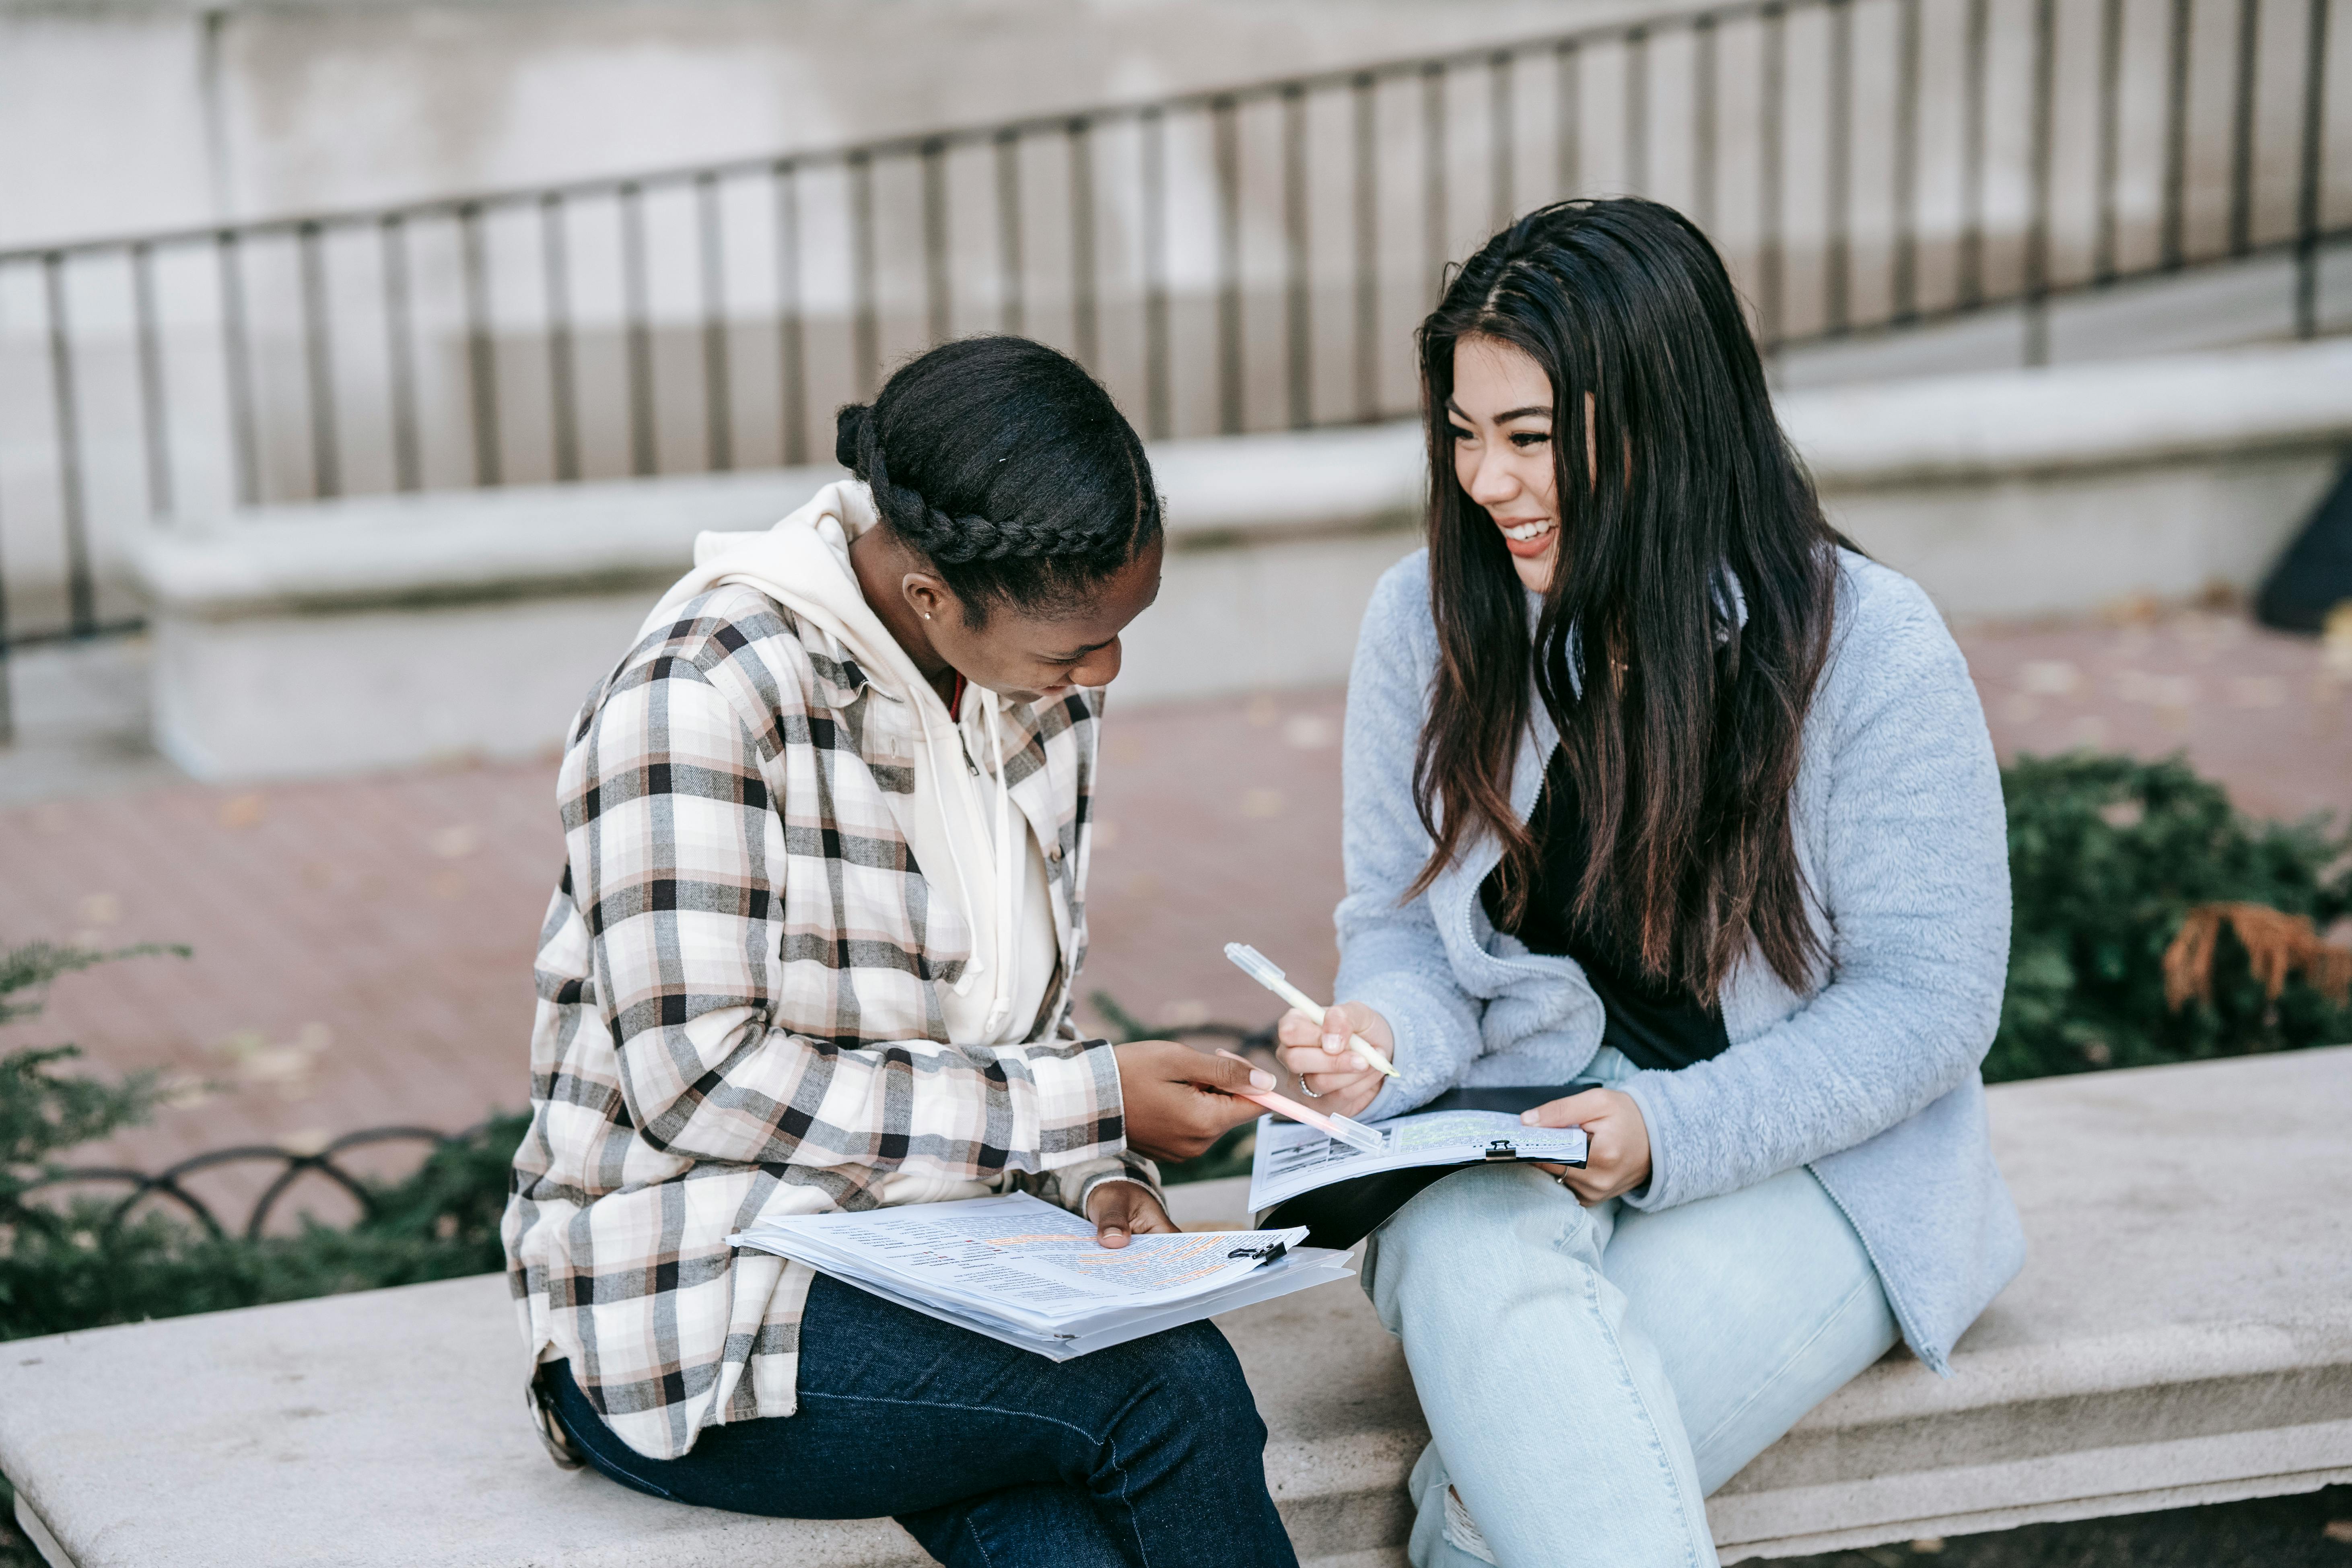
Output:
(1526, 1118)
(1334, 1044)
(1261, 1078)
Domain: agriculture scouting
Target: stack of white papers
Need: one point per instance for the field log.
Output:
(1022, 1270)
(1292, 1158)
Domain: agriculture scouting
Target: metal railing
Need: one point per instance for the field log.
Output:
(171, 1183)
(1245, 259)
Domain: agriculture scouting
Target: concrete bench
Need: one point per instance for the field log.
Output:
(2182, 1333)
(355, 634)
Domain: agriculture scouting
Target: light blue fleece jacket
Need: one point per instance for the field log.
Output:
(1869, 1076)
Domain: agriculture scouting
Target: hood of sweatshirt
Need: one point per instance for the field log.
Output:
(803, 563)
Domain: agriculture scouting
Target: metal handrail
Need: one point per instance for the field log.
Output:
(906, 143)
(236, 385)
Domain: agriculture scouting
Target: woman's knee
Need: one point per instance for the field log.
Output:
(1458, 1235)
(1204, 1367)
(1185, 1380)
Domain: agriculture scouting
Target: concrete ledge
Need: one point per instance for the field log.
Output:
(2182, 1333)
(385, 632)
(301, 641)
(468, 546)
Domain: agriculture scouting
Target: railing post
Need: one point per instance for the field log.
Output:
(2111, 66)
(1008, 231)
(717, 399)
(318, 366)
(562, 376)
(1226, 132)
(1769, 284)
(1972, 156)
(1637, 110)
(1368, 246)
(1906, 161)
(1085, 320)
(2307, 192)
(1838, 261)
(792, 347)
(2037, 237)
(2173, 224)
(938, 304)
(400, 355)
(644, 457)
(1502, 133)
(155, 417)
(1704, 133)
(1152, 130)
(1298, 324)
(2241, 130)
(237, 364)
(81, 590)
(481, 351)
(1433, 172)
(1568, 112)
(865, 328)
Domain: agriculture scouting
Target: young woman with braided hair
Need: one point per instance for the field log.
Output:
(1654, 782)
(813, 949)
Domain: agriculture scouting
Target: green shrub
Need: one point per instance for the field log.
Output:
(2106, 856)
(71, 1265)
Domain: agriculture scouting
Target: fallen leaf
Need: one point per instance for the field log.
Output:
(1309, 732)
(1261, 803)
(455, 843)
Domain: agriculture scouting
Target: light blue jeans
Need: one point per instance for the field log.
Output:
(1589, 1374)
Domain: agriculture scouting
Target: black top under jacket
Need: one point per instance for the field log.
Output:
(1654, 1025)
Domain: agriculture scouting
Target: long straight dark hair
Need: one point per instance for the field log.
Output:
(1689, 610)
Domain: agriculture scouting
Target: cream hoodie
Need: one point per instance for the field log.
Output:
(972, 844)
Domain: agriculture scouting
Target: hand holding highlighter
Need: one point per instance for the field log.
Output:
(1254, 965)
(1346, 1130)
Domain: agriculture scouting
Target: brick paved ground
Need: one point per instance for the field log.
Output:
(364, 946)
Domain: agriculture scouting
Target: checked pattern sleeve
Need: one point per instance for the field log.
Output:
(747, 926)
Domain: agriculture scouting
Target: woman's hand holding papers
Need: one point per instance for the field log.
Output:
(1121, 1209)
(1316, 1048)
(1619, 1159)
(1177, 1100)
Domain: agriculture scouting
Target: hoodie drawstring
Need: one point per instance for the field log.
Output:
(998, 967)
(1008, 879)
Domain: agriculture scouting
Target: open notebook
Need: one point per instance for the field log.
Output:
(1337, 1194)
(1020, 1269)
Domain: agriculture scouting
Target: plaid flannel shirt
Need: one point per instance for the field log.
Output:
(737, 1012)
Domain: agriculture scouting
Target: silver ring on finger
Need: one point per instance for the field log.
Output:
(1308, 1089)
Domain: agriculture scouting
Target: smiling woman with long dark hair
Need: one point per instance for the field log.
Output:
(1654, 782)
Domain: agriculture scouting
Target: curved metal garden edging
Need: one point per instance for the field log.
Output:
(166, 1183)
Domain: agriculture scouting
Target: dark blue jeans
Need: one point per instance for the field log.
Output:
(1146, 1455)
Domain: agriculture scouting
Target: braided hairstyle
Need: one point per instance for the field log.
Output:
(1007, 466)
